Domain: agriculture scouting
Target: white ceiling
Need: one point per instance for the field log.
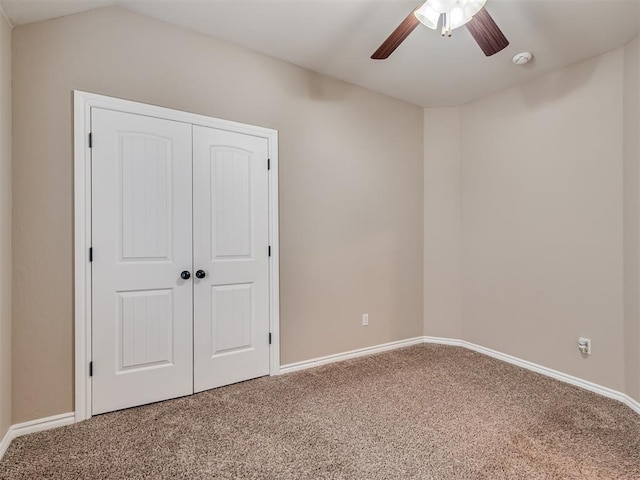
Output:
(337, 37)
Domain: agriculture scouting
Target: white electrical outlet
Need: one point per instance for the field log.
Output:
(584, 345)
(365, 319)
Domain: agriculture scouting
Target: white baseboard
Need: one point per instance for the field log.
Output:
(33, 426)
(631, 403)
(454, 342)
(549, 372)
(339, 357)
(6, 441)
(69, 418)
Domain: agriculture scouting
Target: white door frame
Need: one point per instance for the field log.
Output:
(82, 104)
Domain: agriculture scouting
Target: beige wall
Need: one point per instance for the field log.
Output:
(549, 181)
(5, 225)
(350, 186)
(542, 220)
(442, 227)
(521, 212)
(632, 216)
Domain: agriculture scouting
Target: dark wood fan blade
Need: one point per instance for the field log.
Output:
(397, 36)
(487, 33)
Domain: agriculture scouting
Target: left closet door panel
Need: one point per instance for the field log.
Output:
(142, 318)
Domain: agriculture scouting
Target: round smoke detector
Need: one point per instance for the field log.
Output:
(522, 58)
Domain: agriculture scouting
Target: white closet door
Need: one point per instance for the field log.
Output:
(231, 302)
(142, 241)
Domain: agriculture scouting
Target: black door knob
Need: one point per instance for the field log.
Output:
(201, 274)
(185, 275)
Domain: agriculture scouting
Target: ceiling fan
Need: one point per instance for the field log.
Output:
(450, 14)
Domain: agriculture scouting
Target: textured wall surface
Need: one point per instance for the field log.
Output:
(632, 216)
(542, 220)
(5, 225)
(442, 223)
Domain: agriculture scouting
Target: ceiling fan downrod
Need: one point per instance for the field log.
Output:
(447, 31)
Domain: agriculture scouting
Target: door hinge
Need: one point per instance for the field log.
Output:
(268, 164)
(91, 369)
(269, 338)
(269, 250)
(90, 140)
(91, 254)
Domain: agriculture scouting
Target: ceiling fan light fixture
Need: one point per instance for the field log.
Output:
(455, 13)
(428, 16)
(457, 17)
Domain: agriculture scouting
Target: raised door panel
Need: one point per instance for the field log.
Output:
(232, 318)
(145, 199)
(144, 338)
(230, 203)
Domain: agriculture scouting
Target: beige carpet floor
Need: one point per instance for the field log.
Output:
(424, 412)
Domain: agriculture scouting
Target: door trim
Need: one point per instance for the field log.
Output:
(82, 104)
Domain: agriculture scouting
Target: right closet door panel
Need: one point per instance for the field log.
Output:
(231, 262)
